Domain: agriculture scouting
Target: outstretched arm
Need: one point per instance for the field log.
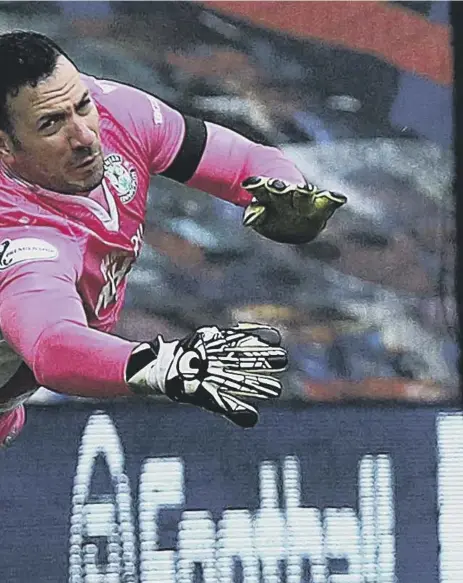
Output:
(220, 159)
(43, 320)
(201, 154)
(214, 159)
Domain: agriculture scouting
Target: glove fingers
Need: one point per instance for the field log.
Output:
(216, 400)
(261, 387)
(268, 359)
(211, 399)
(328, 202)
(250, 347)
(240, 413)
(253, 214)
(246, 384)
(256, 185)
(303, 202)
(241, 336)
(265, 333)
(307, 201)
(265, 189)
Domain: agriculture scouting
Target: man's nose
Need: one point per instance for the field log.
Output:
(81, 135)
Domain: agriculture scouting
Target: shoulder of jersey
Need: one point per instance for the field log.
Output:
(100, 88)
(17, 211)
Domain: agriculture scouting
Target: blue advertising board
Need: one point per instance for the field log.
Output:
(155, 492)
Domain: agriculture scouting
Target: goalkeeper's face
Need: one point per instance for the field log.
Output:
(55, 140)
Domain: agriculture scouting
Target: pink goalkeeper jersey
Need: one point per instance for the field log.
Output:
(64, 259)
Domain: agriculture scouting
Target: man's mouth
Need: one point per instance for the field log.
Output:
(88, 161)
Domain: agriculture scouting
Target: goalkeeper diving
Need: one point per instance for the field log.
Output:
(76, 157)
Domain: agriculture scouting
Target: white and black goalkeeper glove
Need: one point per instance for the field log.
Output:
(213, 368)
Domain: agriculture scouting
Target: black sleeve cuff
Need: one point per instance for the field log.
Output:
(191, 151)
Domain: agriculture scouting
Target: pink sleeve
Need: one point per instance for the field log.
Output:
(230, 158)
(42, 318)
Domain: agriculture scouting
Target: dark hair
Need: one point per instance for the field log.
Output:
(26, 57)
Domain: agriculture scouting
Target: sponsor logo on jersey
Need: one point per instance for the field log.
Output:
(157, 113)
(122, 177)
(114, 267)
(25, 249)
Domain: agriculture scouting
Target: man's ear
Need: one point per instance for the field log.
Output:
(6, 148)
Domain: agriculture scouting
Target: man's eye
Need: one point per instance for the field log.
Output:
(84, 105)
(49, 124)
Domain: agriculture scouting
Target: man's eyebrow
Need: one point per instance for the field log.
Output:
(84, 97)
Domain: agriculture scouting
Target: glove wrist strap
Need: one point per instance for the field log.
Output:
(142, 359)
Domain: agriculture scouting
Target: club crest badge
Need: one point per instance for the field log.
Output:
(122, 177)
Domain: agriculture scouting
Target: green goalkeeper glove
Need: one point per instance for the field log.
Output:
(288, 213)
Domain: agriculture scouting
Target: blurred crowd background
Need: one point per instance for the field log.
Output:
(359, 95)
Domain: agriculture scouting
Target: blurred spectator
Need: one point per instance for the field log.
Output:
(391, 261)
(88, 19)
